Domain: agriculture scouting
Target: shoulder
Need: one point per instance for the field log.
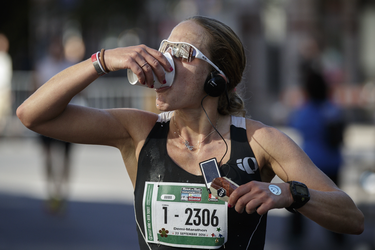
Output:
(265, 135)
(270, 145)
(254, 127)
(259, 129)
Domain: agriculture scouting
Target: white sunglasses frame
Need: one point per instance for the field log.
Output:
(198, 54)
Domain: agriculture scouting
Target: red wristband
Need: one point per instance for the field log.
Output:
(98, 67)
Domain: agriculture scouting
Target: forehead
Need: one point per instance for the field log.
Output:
(190, 32)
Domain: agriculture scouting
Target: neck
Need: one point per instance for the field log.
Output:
(196, 121)
(192, 131)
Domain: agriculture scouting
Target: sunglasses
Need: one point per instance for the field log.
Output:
(185, 51)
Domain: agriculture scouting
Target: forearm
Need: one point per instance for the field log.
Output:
(335, 211)
(50, 100)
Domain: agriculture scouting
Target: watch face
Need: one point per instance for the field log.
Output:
(301, 190)
(300, 194)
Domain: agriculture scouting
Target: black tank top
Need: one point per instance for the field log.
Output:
(245, 231)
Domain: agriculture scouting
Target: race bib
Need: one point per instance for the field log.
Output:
(183, 215)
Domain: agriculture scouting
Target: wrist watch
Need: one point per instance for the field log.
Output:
(300, 194)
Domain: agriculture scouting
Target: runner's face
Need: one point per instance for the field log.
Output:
(187, 89)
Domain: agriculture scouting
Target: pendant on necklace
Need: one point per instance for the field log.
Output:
(187, 145)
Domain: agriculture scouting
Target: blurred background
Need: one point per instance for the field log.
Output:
(93, 210)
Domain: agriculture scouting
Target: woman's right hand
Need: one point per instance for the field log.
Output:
(141, 59)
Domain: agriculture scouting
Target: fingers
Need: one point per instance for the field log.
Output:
(142, 60)
(238, 193)
(256, 197)
(149, 62)
(248, 205)
(144, 73)
(150, 66)
(158, 63)
(245, 199)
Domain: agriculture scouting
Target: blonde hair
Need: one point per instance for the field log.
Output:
(226, 52)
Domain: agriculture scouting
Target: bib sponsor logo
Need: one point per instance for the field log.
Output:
(191, 194)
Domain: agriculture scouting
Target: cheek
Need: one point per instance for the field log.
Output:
(194, 76)
(200, 79)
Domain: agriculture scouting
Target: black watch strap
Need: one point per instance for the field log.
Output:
(300, 193)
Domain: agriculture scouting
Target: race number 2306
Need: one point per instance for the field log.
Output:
(196, 217)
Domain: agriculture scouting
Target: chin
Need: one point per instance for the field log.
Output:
(163, 107)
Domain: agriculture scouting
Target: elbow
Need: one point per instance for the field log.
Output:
(22, 115)
(360, 225)
(358, 229)
(353, 223)
(357, 225)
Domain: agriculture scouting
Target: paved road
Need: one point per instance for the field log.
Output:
(99, 213)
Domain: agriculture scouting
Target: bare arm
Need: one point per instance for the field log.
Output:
(329, 206)
(48, 111)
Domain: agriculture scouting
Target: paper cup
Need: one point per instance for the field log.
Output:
(169, 76)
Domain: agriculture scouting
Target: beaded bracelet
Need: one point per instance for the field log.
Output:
(97, 65)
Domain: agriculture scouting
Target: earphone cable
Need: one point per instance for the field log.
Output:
(226, 144)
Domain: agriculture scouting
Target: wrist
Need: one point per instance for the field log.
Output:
(300, 195)
(290, 199)
(97, 60)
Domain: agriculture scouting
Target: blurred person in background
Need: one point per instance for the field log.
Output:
(5, 83)
(203, 118)
(57, 153)
(321, 124)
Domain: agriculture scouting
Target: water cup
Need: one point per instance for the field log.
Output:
(169, 76)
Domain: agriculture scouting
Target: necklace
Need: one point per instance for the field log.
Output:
(186, 142)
